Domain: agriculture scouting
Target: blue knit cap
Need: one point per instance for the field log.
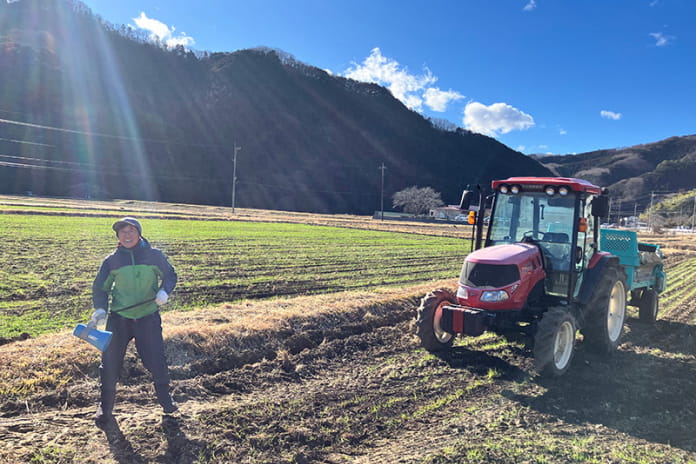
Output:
(127, 221)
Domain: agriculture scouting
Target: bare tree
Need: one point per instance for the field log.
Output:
(417, 200)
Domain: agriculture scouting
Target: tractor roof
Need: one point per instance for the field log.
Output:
(577, 185)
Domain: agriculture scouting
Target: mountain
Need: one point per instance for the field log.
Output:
(93, 109)
(633, 173)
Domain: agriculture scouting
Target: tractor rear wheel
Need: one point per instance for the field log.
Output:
(605, 315)
(648, 307)
(554, 342)
(433, 337)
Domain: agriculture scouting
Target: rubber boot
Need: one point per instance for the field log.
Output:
(104, 413)
(165, 399)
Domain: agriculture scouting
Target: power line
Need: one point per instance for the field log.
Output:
(102, 171)
(302, 190)
(60, 129)
(166, 177)
(42, 160)
(33, 166)
(27, 143)
(100, 134)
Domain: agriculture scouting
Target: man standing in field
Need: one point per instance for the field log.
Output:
(139, 279)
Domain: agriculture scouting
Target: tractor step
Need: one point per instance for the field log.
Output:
(465, 320)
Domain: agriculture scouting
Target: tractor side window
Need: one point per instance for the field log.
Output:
(556, 224)
(506, 219)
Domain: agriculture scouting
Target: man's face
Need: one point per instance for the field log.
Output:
(128, 236)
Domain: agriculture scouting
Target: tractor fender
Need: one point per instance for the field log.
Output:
(660, 280)
(593, 275)
(597, 257)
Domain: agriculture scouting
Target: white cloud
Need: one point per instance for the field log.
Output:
(182, 39)
(531, 5)
(610, 115)
(661, 40)
(160, 31)
(437, 100)
(412, 90)
(498, 118)
(562, 131)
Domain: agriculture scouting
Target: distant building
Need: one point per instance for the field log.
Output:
(448, 213)
(393, 215)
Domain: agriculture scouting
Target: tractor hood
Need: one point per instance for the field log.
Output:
(500, 277)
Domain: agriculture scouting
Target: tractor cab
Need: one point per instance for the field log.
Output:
(541, 236)
(553, 214)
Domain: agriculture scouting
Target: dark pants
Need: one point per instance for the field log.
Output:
(147, 332)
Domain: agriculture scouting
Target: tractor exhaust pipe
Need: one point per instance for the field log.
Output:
(480, 216)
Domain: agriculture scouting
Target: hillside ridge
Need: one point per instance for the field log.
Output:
(129, 119)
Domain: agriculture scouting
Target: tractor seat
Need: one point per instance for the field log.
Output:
(556, 237)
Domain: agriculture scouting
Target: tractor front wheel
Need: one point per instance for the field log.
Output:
(432, 336)
(648, 307)
(554, 342)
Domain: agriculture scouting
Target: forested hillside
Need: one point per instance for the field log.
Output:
(632, 173)
(91, 109)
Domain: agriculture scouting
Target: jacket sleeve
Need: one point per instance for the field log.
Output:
(101, 287)
(169, 277)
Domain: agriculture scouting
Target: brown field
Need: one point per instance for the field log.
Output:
(340, 378)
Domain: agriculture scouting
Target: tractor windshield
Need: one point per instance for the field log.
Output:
(535, 216)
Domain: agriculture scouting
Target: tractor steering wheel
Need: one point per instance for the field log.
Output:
(529, 236)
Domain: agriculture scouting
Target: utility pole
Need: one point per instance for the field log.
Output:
(693, 216)
(635, 215)
(382, 168)
(650, 212)
(234, 174)
(619, 213)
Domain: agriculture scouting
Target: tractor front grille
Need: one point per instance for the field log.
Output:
(489, 275)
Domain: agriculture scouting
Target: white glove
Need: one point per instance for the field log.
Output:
(97, 318)
(162, 297)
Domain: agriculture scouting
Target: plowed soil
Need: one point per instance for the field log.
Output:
(341, 379)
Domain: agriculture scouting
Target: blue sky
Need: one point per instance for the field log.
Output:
(541, 76)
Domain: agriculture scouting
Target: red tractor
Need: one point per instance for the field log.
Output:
(541, 274)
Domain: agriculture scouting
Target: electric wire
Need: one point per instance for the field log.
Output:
(105, 135)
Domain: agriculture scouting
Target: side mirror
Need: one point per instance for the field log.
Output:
(600, 206)
(578, 255)
(467, 198)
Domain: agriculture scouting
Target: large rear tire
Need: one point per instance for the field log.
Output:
(554, 342)
(432, 336)
(605, 315)
(648, 307)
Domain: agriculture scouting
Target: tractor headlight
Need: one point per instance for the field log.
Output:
(462, 293)
(494, 297)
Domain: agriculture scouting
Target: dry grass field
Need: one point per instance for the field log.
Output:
(340, 378)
